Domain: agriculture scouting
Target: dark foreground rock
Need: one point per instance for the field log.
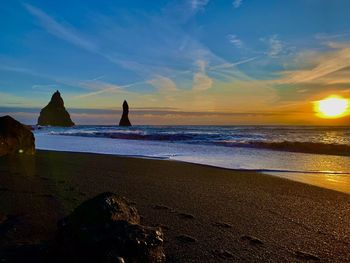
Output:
(55, 114)
(107, 229)
(15, 137)
(124, 121)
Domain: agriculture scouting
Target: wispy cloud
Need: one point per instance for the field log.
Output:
(163, 84)
(231, 65)
(71, 35)
(7, 99)
(44, 87)
(104, 87)
(31, 72)
(64, 32)
(237, 3)
(275, 46)
(198, 4)
(233, 39)
(145, 62)
(201, 81)
(19, 70)
(326, 36)
(323, 66)
(95, 78)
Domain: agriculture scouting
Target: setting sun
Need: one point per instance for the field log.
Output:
(332, 107)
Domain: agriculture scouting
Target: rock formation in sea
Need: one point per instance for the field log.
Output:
(55, 114)
(124, 121)
(107, 228)
(15, 137)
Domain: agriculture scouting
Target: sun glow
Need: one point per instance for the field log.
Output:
(332, 107)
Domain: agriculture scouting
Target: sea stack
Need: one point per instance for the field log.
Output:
(124, 121)
(55, 114)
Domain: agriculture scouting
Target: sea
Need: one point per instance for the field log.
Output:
(314, 155)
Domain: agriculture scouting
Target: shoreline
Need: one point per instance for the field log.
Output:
(341, 150)
(271, 172)
(208, 214)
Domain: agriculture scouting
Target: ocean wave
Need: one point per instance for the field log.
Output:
(94, 132)
(303, 147)
(131, 136)
(292, 139)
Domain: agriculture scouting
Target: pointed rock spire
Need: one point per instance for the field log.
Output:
(124, 121)
(55, 114)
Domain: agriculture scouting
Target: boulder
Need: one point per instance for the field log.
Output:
(107, 229)
(104, 208)
(15, 137)
(124, 121)
(55, 114)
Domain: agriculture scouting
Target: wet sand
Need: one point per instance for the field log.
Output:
(208, 214)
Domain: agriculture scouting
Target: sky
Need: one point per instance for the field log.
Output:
(222, 62)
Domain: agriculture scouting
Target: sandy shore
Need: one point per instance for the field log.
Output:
(208, 214)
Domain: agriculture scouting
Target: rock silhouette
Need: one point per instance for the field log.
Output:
(55, 114)
(124, 121)
(107, 228)
(15, 137)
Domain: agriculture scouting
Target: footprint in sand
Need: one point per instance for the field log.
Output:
(185, 216)
(186, 239)
(251, 240)
(222, 225)
(306, 256)
(224, 254)
(160, 207)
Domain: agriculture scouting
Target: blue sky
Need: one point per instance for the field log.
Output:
(232, 61)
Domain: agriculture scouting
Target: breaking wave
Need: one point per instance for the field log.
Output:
(318, 140)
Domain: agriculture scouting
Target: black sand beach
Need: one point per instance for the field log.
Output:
(207, 214)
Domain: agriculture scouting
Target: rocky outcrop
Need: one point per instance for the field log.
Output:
(124, 121)
(15, 137)
(107, 229)
(55, 114)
